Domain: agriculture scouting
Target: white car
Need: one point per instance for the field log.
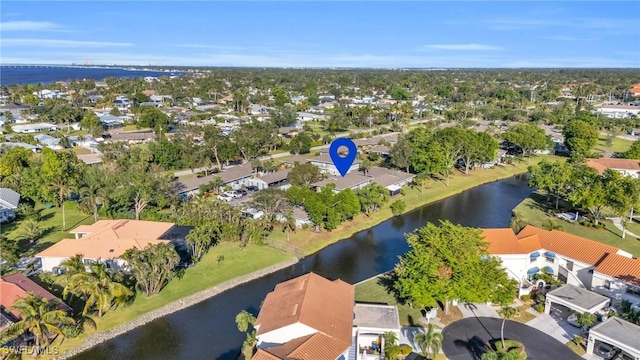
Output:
(573, 319)
(225, 197)
(232, 194)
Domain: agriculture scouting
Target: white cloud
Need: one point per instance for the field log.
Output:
(29, 26)
(58, 43)
(570, 38)
(463, 47)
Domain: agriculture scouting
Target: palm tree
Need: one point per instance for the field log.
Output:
(99, 289)
(429, 342)
(585, 320)
(93, 194)
(71, 266)
(244, 319)
(391, 349)
(30, 230)
(62, 187)
(518, 222)
(507, 312)
(552, 225)
(289, 224)
(40, 317)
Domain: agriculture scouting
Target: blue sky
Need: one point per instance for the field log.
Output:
(322, 34)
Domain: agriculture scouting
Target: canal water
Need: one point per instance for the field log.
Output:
(208, 330)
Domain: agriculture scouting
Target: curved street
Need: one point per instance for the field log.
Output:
(467, 339)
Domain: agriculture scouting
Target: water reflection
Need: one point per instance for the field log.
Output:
(208, 330)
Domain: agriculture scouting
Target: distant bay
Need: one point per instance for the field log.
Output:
(40, 74)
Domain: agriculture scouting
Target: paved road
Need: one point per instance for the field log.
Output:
(466, 339)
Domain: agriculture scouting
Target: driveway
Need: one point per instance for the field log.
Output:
(555, 324)
(467, 339)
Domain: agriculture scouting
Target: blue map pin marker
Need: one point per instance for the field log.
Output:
(343, 163)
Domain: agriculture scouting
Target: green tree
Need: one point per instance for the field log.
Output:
(430, 342)
(91, 122)
(580, 137)
(31, 99)
(585, 320)
(98, 287)
(93, 193)
(271, 201)
(398, 207)
(62, 172)
(400, 154)
(528, 137)
(301, 144)
(200, 239)
(633, 152)
(551, 176)
(245, 320)
(304, 175)
(391, 348)
(9, 251)
(153, 267)
(40, 317)
(151, 117)
(365, 165)
(281, 96)
(283, 116)
(506, 312)
(449, 262)
(372, 197)
(289, 224)
(399, 93)
(115, 112)
(30, 230)
(591, 191)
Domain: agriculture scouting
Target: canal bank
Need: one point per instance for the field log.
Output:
(208, 328)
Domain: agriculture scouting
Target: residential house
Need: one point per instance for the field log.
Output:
(305, 116)
(619, 110)
(275, 179)
(131, 137)
(235, 177)
(106, 241)
(325, 164)
(17, 286)
(9, 201)
(300, 216)
(352, 180)
(615, 331)
(628, 167)
(635, 90)
(392, 180)
(257, 109)
(382, 150)
(310, 317)
(14, 109)
(11, 145)
(94, 98)
(579, 262)
(122, 103)
(49, 94)
(49, 141)
(34, 128)
(111, 121)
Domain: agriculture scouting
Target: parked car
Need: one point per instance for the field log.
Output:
(607, 351)
(225, 197)
(573, 319)
(252, 188)
(240, 192)
(232, 194)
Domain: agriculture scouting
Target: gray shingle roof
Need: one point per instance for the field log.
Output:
(9, 199)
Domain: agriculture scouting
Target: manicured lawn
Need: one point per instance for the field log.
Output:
(617, 145)
(523, 316)
(310, 241)
(533, 211)
(578, 349)
(51, 222)
(374, 291)
(206, 274)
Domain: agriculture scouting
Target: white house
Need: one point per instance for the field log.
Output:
(628, 167)
(106, 241)
(49, 94)
(9, 201)
(615, 331)
(49, 141)
(34, 128)
(310, 317)
(325, 164)
(580, 262)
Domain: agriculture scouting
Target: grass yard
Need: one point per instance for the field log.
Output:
(578, 349)
(617, 145)
(524, 316)
(374, 291)
(51, 222)
(533, 208)
(310, 241)
(206, 274)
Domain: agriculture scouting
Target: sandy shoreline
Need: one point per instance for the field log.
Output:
(177, 305)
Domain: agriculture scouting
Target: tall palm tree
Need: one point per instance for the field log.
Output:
(30, 230)
(40, 317)
(244, 319)
(71, 266)
(507, 312)
(289, 224)
(63, 189)
(429, 342)
(93, 193)
(100, 290)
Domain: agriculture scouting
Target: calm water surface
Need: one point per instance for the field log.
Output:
(208, 330)
(44, 75)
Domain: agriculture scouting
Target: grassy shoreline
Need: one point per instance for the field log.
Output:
(233, 266)
(310, 242)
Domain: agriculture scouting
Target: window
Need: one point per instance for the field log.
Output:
(607, 284)
(633, 290)
(549, 259)
(569, 265)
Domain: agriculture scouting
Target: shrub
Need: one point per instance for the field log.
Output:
(405, 349)
(526, 297)
(539, 308)
(398, 207)
(71, 331)
(578, 340)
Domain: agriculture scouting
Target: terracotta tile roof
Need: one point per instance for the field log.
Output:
(109, 239)
(575, 247)
(324, 305)
(317, 346)
(609, 163)
(17, 286)
(621, 267)
(263, 355)
(502, 241)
